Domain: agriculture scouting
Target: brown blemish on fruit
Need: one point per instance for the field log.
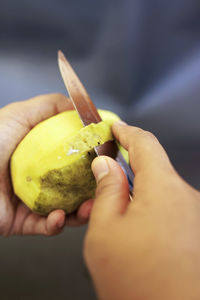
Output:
(28, 178)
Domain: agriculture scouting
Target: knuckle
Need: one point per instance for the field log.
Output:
(142, 133)
(13, 106)
(137, 130)
(134, 132)
(106, 187)
(150, 135)
(53, 95)
(57, 95)
(146, 136)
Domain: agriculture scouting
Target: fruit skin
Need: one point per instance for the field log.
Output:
(69, 191)
(51, 167)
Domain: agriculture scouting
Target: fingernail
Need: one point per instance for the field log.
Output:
(100, 168)
(60, 223)
(120, 123)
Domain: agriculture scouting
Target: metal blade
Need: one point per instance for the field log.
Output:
(110, 149)
(82, 102)
(78, 95)
(89, 114)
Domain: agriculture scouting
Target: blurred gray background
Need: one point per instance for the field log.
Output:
(140, 59)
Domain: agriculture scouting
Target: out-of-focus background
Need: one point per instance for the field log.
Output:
(140, 59)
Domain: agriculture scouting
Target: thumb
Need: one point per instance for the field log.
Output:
(112, 192)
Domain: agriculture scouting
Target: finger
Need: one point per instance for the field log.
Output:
(112, 192)
(31, 112)
(55, 222)
(145, 151)
(18, 118)
(51, 225)
(82, 215)
(21, 214)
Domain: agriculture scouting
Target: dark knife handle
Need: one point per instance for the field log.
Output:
(110, 149)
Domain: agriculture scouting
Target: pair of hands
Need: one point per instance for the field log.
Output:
(145, 249)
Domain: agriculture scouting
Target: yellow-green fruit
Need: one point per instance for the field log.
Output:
(51, 167)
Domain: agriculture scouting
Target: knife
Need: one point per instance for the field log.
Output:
(89, 114)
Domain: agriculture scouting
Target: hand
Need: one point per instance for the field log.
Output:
(16, 120)
(149, 248)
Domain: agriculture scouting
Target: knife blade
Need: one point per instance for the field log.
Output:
(89, 114)
(77, 93)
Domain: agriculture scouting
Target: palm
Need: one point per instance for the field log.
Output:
(15, 122)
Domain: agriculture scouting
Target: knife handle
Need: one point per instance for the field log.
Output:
(110, 149)
(127, 170)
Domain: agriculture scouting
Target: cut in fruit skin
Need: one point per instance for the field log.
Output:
(51, 167)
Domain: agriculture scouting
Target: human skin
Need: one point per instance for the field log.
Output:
(148, 249)
(16, 120)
